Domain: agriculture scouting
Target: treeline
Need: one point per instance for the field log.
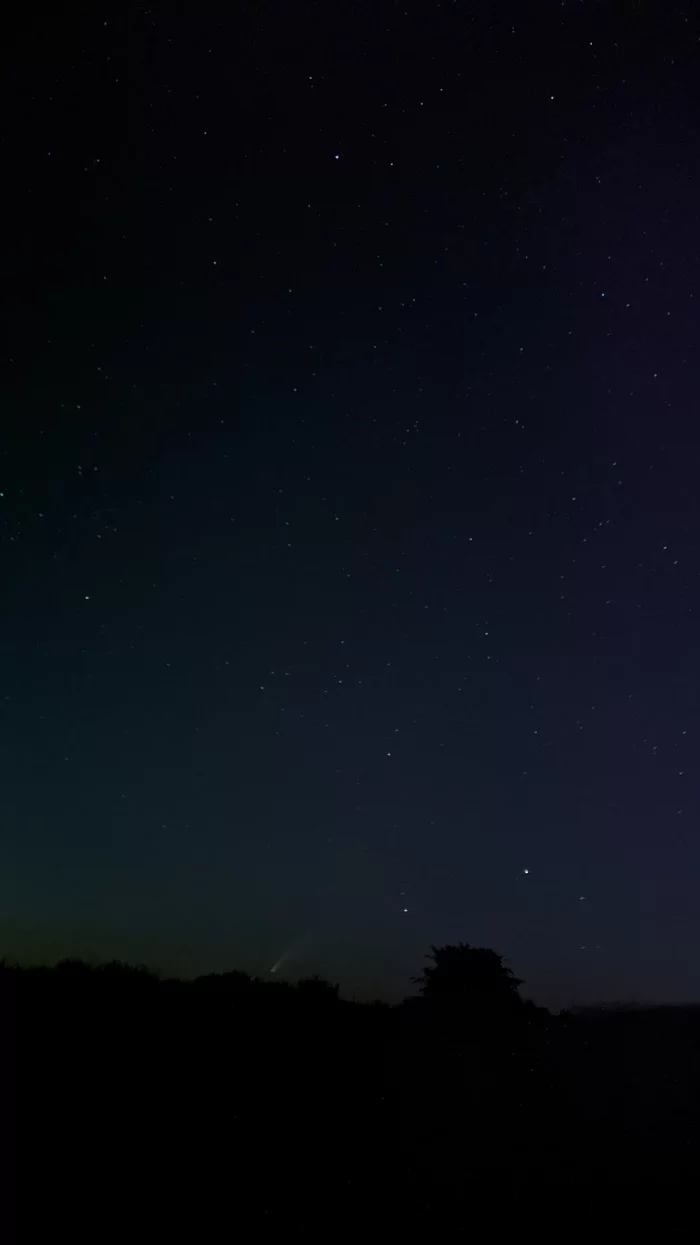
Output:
(278, 1100)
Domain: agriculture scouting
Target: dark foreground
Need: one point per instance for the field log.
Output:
(150, 1108)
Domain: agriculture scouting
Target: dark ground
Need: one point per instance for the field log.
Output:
(148, 1108)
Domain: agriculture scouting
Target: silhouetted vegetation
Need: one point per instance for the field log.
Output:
(168, 1103)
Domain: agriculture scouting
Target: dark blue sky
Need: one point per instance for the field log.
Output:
(350, 518)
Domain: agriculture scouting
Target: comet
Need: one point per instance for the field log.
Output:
(289, 951)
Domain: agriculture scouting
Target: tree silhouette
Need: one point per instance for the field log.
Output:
(468, 979)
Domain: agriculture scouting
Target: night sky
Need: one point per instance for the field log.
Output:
(350, 490)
